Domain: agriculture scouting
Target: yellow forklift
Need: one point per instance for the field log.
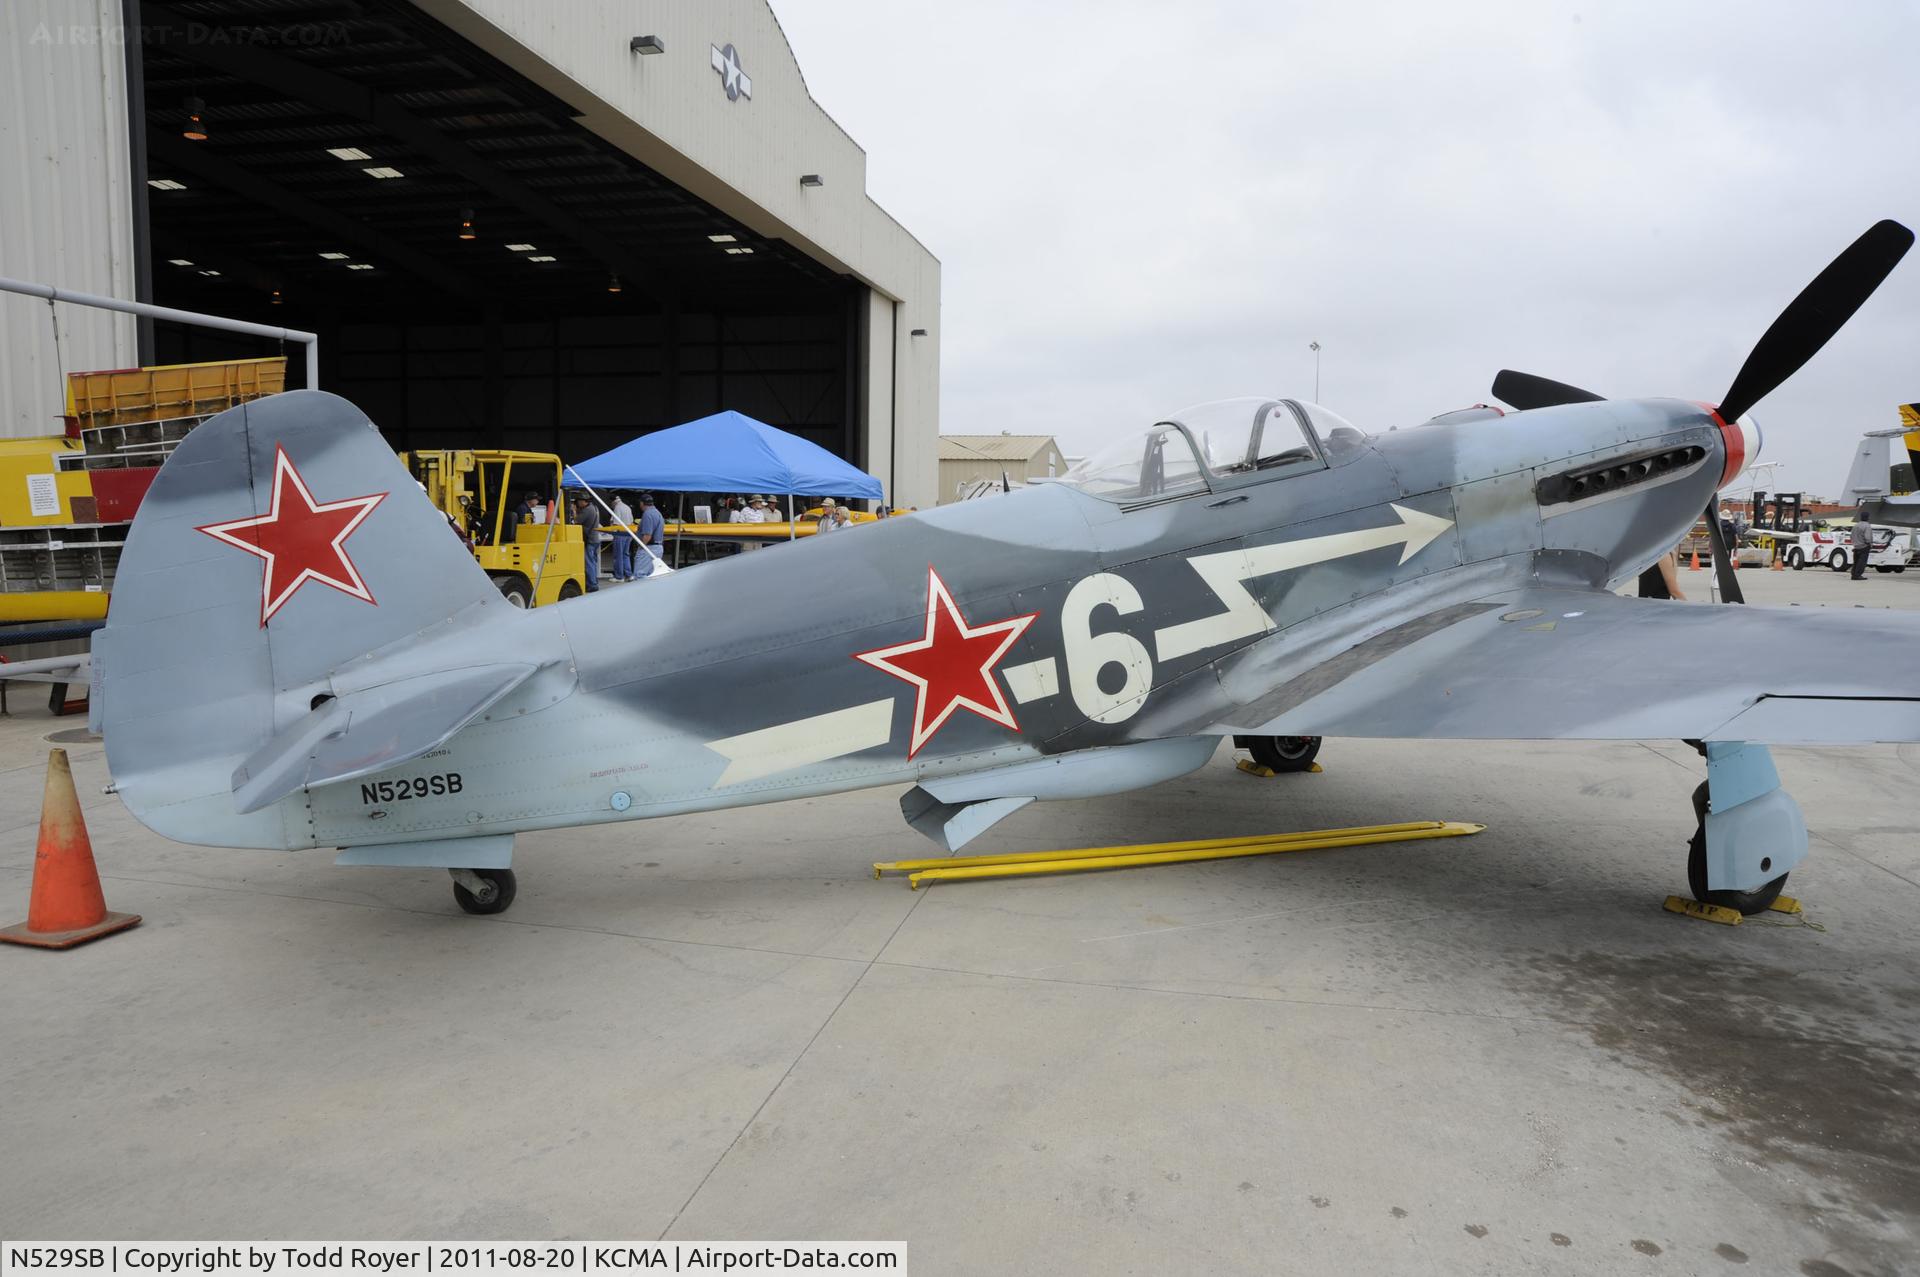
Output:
(533, 562)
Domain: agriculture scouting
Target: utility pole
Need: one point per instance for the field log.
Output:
(1314, 346)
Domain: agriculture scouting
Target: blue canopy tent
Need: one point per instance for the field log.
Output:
(727, 452)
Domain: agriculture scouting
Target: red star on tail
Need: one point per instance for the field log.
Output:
(301, 540)
(951, 664)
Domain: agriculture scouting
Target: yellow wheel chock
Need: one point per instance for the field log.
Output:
(1720, 913)
(1252, 768)
(1019, 863)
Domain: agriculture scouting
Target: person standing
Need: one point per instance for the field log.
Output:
(622, 538)
(653, 538)
(587, 514)
(1862, 544)
(756, 512)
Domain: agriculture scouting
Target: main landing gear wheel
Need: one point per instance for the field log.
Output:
(483, 890)
(1747, 903)
(1284, 753)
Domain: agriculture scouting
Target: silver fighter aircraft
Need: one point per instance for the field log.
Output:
(300, 655)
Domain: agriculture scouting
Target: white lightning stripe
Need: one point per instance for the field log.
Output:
(1034, 681)
(1226, 575)
(804, 741)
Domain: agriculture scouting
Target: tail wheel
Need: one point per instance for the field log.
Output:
(1838, 561)
(495, 891)
(1795, 559)
(514, 589)
(1284, 753)
(1747, 903)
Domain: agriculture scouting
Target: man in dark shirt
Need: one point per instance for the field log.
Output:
(652, 537)
(587, 515)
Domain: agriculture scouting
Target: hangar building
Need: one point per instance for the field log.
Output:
(511, 222)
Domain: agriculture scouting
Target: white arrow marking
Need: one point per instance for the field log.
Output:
(1034, 681)
(819, 739)
(1226, 575)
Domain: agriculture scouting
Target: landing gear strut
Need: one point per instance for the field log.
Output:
(1747, 903)
(1748, 832)
(1281, 753)
(483, 890)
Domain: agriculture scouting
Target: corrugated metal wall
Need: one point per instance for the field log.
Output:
(65, 212)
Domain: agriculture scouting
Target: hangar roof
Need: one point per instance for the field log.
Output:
(307, 102)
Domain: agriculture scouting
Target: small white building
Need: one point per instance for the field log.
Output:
(967, 459)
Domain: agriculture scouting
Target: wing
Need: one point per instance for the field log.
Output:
(1548, 664)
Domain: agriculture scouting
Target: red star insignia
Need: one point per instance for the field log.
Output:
(301, 539)
(951, 665)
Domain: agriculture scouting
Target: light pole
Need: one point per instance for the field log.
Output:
(1314, 346)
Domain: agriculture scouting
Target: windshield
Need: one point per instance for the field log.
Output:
(1141, 466)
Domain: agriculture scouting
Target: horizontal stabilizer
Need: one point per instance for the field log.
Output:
(370, 730)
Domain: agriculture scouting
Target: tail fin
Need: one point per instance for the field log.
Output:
(1868, 477)
(281, 540)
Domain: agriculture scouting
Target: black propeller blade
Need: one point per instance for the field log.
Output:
(1723, 559)
(1524, 390)
(1813, 317)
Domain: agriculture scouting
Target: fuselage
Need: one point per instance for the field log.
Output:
(1024, 626)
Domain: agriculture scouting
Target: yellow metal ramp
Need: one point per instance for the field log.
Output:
(1020, 863)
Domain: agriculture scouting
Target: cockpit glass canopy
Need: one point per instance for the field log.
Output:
(1141, 466)
(1232, 437)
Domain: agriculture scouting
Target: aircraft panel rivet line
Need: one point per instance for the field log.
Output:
(1014, 864)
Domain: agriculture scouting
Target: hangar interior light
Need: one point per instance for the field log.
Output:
(543, 257)
(383, 171)
(335, 257)
(195, 128)
(359, 266)
(811, 179)
(179, 261)
(721, 239)
(348, 153)
(613, 283)
(166, 184)
(741, 251)
(466, 223)
(647, 44)
(519, 248)
(918, 332)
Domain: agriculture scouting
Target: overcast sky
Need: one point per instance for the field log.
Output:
(1138, 206)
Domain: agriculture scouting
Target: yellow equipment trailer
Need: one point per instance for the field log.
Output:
(532, 562)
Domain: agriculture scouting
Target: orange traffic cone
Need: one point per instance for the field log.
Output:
(1779, 564)
(66, 907)
(1695, 565)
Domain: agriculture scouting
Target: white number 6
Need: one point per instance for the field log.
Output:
(1087, 653)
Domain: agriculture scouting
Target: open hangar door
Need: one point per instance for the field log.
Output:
(481, 270)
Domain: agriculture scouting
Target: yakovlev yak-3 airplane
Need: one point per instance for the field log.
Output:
(300, 655)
